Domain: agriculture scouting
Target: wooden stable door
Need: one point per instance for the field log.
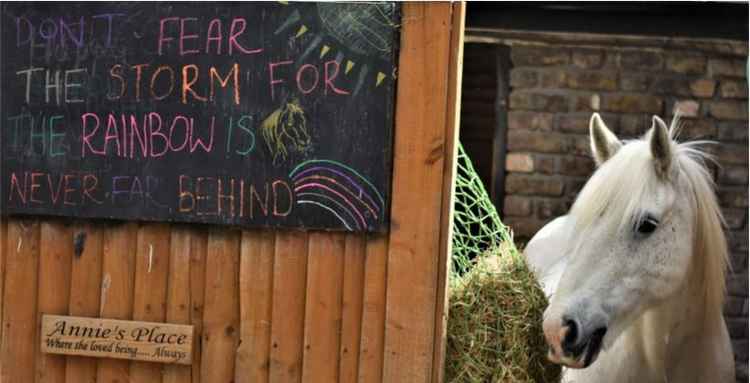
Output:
(267, 306)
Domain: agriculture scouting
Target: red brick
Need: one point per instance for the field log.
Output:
(732, 197)
(735, 218)
(738, 240)
(591, 80)
(697, 129)
(730, 110)
(518, 120)
(538, 56)
(733, 175)
(553, 78)
(519, 162)
(546, 102)
(639, 82)
(545, 164)
(576, 166)
(585, 102)
(533, 185)
(687, 108)
(573, 123)
(579, 122)
(737, 327)
(734, 306)
(737, 284)
(584, 80)
(733, 89)
(732, 154)
(540, 142)
(671, 86)
(550, 208)
(632, 103)
(581, 145)
(727, 67)
(640, 60)
(733, 131)
(517, 206)
(738, 262)
(524, 77)
(703, 88)
(524, 140)
(634, 125)
(686, 63)
(588, 58)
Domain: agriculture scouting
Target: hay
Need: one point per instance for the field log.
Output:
(495, 323)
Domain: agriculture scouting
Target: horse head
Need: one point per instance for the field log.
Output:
(640, 220)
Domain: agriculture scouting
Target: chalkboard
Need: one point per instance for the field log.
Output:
(252, 114)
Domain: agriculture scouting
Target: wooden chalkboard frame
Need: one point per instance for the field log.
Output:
(292, 130)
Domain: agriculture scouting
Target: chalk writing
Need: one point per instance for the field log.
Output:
(260, 114)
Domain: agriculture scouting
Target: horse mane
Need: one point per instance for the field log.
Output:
(710, 244)
(636, 179)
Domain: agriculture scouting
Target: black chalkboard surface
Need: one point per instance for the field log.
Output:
(252, 114)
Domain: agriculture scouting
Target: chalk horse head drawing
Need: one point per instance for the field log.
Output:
(636, 269)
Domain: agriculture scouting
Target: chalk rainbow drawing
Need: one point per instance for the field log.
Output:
(340, 190)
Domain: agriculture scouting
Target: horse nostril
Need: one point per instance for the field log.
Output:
(572, 335)
(599, 333)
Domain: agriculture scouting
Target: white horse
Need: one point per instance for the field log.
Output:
(636, 269)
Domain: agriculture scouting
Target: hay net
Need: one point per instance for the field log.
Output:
(476, 225)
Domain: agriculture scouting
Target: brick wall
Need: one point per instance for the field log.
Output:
(556, 87)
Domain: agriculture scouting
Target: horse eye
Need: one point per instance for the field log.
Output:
(647, 225)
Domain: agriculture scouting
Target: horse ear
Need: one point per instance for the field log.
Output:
(661, 148)
(604, 143)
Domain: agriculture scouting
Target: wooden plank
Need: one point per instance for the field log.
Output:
(85, 292)
(288, 314)
(198, 249)
(118, 279)
(178, 294)
(112, 338)
(55, 258)
(150, 289)
(221, 315)
(3, 252)
(325, 272)
(417, 192)
(373, 310)
(256, 292)
(514, 37)
(453, 117)
(20, 300)
(351, 315)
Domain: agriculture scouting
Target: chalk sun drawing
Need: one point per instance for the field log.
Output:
(284, 130)
(340, 189)
(361, 30)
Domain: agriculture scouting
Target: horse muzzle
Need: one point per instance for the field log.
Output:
(571, 344)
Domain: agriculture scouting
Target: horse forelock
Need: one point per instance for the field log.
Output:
(617, 188)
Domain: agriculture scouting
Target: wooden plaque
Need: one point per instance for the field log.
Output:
(109, 338)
